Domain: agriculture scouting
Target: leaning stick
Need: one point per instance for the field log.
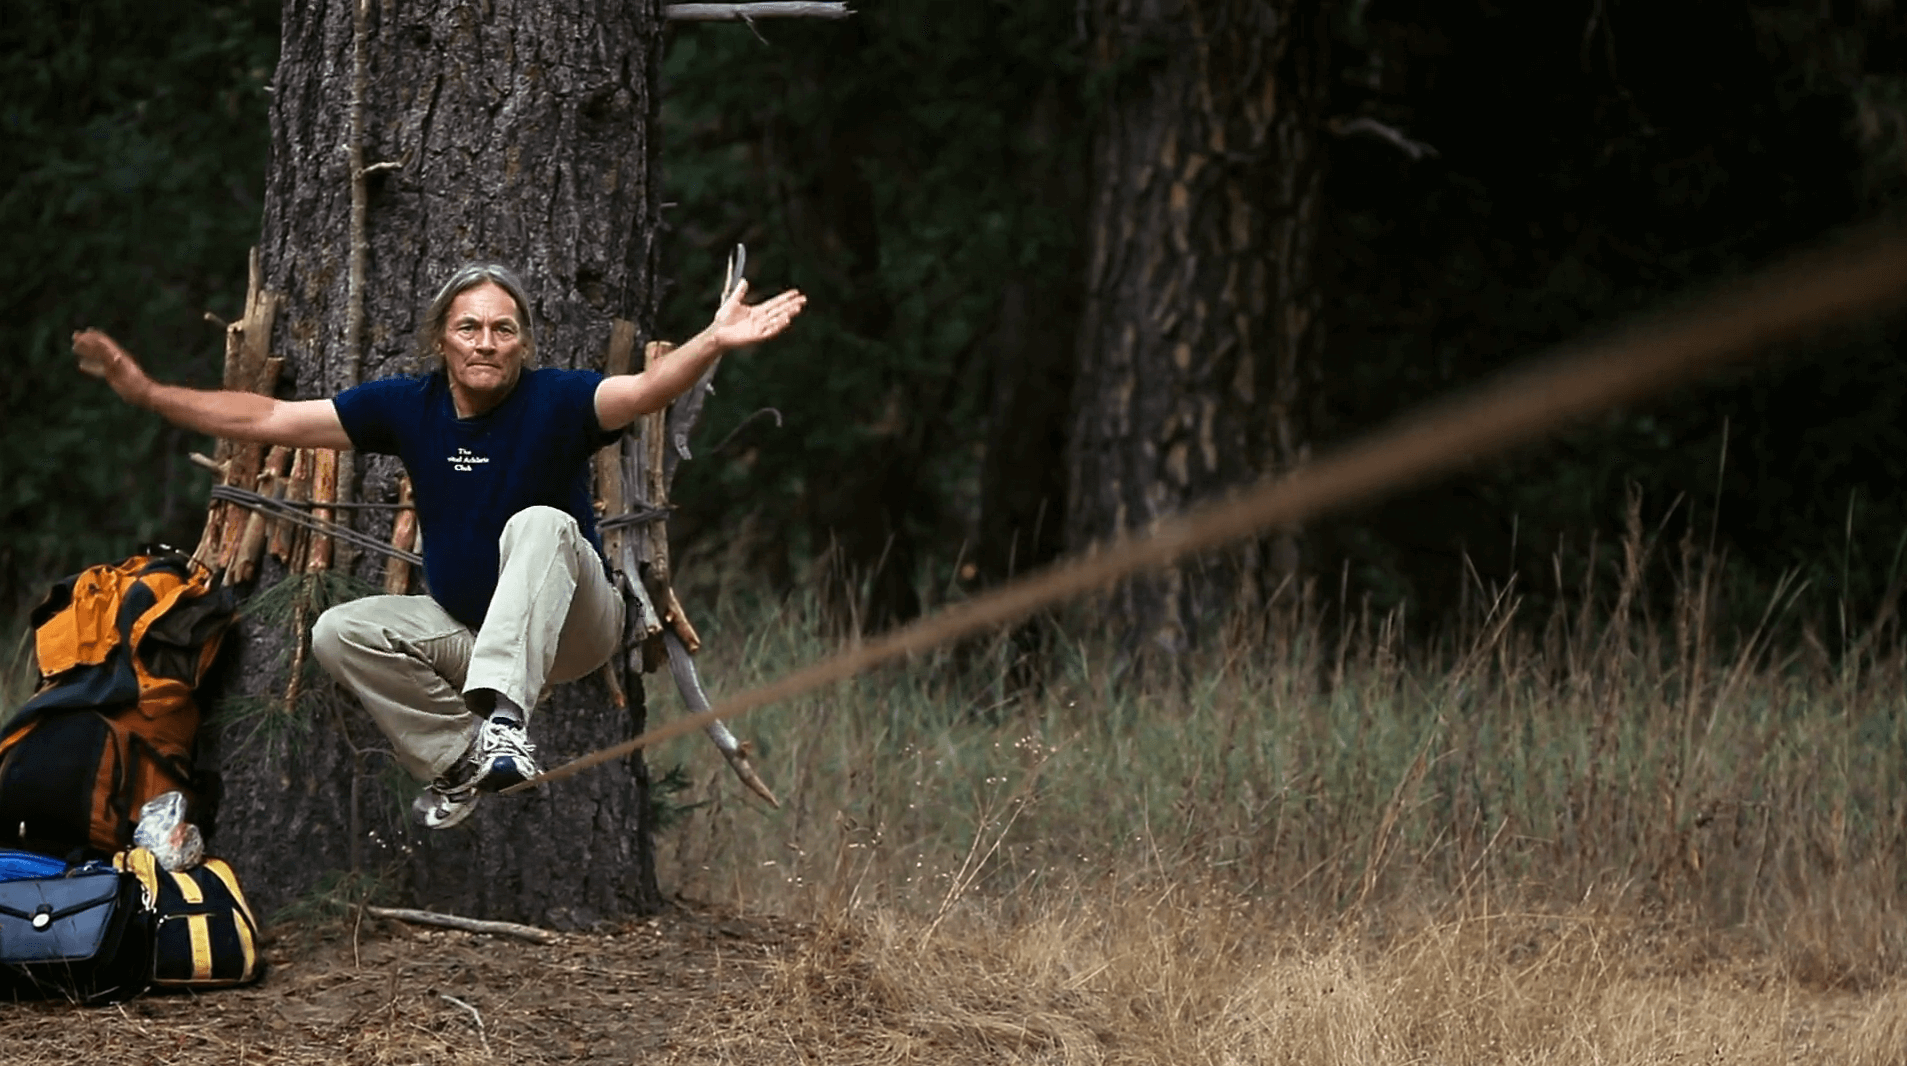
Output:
(609, 488)
(397, 572)
(280, 488)
(324, 489)
(677, 619)
(217, 537)
(249, 367)
(207, 551)
(468, 925)
(252, 542)
(1805, 293)
(297, 489)
(301, 647)
(689, 683)
(345, 475)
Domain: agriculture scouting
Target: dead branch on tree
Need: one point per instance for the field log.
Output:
(1370, 127)
(689, 683)
(776, 9)
(633, 478)
(249, 367)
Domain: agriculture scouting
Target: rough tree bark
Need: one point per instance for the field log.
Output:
(502, 130)
(1199, 325)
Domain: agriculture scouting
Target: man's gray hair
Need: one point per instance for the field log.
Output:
(469, 276)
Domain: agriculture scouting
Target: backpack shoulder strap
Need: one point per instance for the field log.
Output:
(171, 578)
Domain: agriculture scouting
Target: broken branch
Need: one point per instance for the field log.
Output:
(468, 925)
(1370, 127)
(689, 684)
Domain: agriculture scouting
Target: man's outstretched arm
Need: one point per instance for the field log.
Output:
(220, 413)
(624, 397)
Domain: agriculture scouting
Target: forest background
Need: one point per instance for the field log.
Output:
(923, 171)
(1144, 864)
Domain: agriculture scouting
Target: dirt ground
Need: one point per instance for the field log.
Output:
(387, 992)
(701, 984)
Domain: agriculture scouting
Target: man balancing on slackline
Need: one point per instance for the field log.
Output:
(499, 461)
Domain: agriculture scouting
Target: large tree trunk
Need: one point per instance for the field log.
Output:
(1199, 326)
(505, 131)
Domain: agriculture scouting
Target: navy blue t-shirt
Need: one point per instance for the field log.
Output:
(469, 475)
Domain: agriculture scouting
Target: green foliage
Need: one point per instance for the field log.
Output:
(1628, 159)
(665, 805)
(882, 165)
(334, 904)
(303, 597)
(905, 166)
(291, 606)
(129, 193)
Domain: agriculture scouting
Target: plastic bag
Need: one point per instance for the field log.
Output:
(163, 830)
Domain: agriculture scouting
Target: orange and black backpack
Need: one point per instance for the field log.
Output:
(122, 649)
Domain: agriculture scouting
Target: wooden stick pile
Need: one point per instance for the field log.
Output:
(237, 538)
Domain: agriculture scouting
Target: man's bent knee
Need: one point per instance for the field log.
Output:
(333, 634)
(539, 524)
(540, 515)
(352, 626)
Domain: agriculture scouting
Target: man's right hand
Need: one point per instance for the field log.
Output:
(103, 358)
(216, 412)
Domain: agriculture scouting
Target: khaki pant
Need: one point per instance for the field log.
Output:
(555, 617)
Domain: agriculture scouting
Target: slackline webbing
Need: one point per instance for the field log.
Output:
(295, 514)
(299, 514)
(1863, 275)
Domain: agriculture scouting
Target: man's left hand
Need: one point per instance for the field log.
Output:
(738, 325)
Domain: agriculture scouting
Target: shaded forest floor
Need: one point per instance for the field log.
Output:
(701, 984)
(386, 992)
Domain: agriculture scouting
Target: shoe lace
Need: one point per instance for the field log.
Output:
(445, 790)
(501, 739)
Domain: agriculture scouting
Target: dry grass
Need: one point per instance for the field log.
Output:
(1615, 834)
(1157, 974)
(1170, 976)
(1612, 835)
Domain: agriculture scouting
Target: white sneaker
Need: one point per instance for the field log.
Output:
(443, 804)
(503, 756)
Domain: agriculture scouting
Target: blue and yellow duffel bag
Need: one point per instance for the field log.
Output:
(203, 932)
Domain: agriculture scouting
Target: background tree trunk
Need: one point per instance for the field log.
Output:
(519, 133)
(1199, 326)
(1030, 356)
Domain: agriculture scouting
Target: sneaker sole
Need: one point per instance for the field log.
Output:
(455, 817)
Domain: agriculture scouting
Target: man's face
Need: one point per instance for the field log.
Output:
(483, 347)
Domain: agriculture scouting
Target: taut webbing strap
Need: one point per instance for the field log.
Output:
(1861, 276)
